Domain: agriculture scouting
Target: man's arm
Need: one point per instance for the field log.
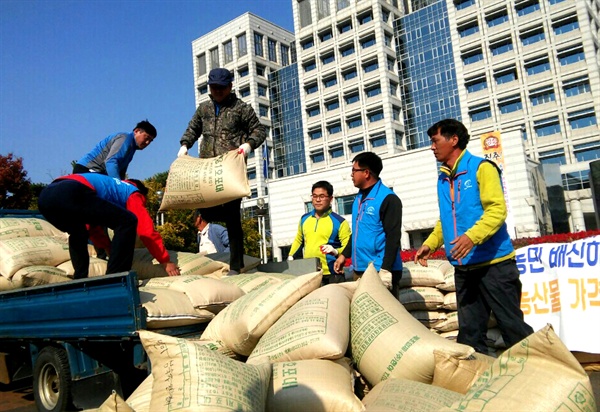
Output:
(256, 132)
(298, 240)
(117, 152)
(391, 219)
(193, 131)
(345, 234)
(145, 228)
(493, 203)
(435, 240)
(223, 237)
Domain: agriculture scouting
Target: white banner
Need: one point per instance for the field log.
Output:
(561, 286)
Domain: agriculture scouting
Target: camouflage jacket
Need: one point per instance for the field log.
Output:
(236, 124)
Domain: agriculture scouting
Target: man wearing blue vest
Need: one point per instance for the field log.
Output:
(75, 203)
(473, 231)
(376, 224)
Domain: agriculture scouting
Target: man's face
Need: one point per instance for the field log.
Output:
(142, 139)
(443, 148)
(220, 93)
(321, 201)
(359, 175)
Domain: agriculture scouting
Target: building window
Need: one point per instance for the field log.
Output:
(393, 88)
(336, 152)
(323, 8)
(201, 62)
(375, 116)
(378, 141)
(356, 147)
(243, 71)
(253, 193)
(311, 65)
(228, 52)
(329, 58)
(480, 113)
(527, 7)
(344, 26)
(353, 123)
(352, 98)
(263, 110)
(565, 26)
(555, 1)
(365, 18)
(332, 105)
(272, 46)
(258, 45)
(307, 43)
(468, 29)
(582, 118)
(510, 104)
(347, 50)
(463, 4)
(203, 89)
(367, 42)
(566, 57)
(546, 127)
(533, 36)
(317, 157)
(313, 111)
(497, 19)
(475, 85)
(373, 91)
(334, 128)
(371, 66)
(326, 35)
(214, 58)
(501, 47)
(576, 180)
(385, 15)
(342, 4)
(537, 67)
(305, 13)
(251, 174)
(315, 134)
(577, 86)
(390, 64)
(262, 90)
(587, 151)
(260, 70)
(388, 40)
(350, 74)
(245, 92)
(505, 75)
(472, 57)
(241, 44)
(313, 88)
(332, 81)
(541, 96)
(285, 55)
(553, 157)
(344, 204)
(396, 113)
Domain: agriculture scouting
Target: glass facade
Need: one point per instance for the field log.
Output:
(427, 74)
(287, 127)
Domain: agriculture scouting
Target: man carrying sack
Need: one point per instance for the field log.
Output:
(225, 123)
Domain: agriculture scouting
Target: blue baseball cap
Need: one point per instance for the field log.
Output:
(220, 77)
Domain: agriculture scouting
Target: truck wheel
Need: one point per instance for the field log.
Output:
(52, 380)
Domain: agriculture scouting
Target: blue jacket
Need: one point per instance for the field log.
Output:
(368, 236)
(113, 190)
(460, 209)
(219, 237)
(112, 155)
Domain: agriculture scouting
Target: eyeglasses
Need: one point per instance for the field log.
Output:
(320, 197)
(357, 170)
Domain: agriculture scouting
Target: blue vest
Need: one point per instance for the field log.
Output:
(368, 237)
(460, 209)
(108, 188)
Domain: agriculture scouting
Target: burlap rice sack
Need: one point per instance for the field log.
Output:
(139, 400)
(20, 252)
(199, 183)
(189, 264)
(537, 374)
(413, 274)
(316, 327)
(421, 298)
(400, 395)
(97, 267)
(114, 403)
(458, 373)
(41, 275)
(241, 324)
(11, 227)
(168, 308)
(251, 281)
(188, 377)
(386, 341)
(312, 385)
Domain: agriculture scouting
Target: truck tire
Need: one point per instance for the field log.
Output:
(52, 380)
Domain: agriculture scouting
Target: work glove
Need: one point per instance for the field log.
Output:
(329, 250)
(290, 258)
(386, 278)
(182, 151)
(245, 149)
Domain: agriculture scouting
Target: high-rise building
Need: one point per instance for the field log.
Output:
(375, 74)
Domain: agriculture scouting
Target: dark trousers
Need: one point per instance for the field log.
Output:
(494, 288)
(70, 205)
(229, 213)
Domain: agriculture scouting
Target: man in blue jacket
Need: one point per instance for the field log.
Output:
(114, 153)
(376, 223)
(212, 238)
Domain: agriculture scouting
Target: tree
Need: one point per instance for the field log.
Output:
(36, 189)
(15, 190)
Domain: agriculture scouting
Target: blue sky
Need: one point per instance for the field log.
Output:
(73, 72)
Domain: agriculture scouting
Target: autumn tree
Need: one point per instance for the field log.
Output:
(15, 190)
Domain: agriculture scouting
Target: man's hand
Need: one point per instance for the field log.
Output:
(182, 151)
(422, 255)
(171, 268)
(386, 278)
(462, 247)
(328, 250)
(338, 265)
(290, 258)
(245, 149)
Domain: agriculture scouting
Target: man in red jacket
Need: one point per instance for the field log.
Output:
(75, 203)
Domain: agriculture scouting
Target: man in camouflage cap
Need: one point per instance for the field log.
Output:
(225, 123)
